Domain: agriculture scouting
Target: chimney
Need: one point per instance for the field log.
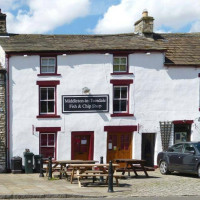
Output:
(144, 26)
(2, 23)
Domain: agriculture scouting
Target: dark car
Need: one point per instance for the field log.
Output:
(182, 157)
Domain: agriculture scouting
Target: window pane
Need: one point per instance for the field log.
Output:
(123, 105)
(51, 139)
(44, 69)
(50, 93)
(43, 93)
(51, 62)
(43, 139)
(123, 92)
(50, 106)
(122, 68)
(47, 152)
(123, 61)
(44, 62)
(116, 61)
(116, 68)
(43, 107)
(116, 106)
(51, 69)
(116, 92)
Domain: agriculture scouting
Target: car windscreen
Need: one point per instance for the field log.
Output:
(197, 145)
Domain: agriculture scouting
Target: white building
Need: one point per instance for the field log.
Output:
(116, 96)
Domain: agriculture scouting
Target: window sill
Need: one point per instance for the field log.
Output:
(121, 73)
(121, 115)
(48, 116)
(49, 74)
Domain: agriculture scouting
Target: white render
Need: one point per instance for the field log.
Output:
(157, 94)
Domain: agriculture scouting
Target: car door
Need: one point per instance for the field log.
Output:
(188, 158)
(173, 155)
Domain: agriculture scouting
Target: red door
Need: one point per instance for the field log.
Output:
(82, 146)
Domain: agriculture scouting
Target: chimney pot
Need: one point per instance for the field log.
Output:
(145, 13)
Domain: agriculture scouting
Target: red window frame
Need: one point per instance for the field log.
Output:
(127, 65)
(48, 130)
(48, 74)
(48, 84)
(122, 83)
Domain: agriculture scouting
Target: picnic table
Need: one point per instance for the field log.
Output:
(92, 170)
(134, 165)
(63, 165)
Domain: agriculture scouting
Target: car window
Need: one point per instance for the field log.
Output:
(197, 145)
(188, 148)
(177, 148)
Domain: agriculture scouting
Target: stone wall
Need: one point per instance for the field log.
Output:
(2, 125)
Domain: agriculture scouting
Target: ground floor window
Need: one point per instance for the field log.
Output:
(47, 144)
(182, 133)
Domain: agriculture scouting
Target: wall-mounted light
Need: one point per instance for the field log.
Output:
(64, 54)
(86, 90)
(148, 53)
(107, 54)
(25, 55)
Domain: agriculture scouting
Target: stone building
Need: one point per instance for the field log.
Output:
(3, 140)
(85, 96)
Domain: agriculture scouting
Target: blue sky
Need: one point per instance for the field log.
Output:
(98, 16)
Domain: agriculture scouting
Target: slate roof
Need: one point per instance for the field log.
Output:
(33, 42)
(180, 48)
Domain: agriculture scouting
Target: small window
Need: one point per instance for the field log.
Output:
(120, 100)
(47, 145)
(48, 65)
(119, 64)
(47, 100)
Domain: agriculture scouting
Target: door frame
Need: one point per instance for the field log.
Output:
(154, 142)
(83, 133)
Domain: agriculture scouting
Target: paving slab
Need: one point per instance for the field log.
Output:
(31, 185)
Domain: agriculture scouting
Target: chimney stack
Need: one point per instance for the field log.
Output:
(2, 23)
(144, 26)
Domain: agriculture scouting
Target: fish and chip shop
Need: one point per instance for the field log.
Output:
(117, 96)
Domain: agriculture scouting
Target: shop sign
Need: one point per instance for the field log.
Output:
(83, 103)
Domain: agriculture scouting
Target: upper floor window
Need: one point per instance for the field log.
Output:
(120, 64)
(47, 100)
(120, 100)
(48, 65)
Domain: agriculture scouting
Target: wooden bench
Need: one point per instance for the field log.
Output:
(136, 169)
(80, 176)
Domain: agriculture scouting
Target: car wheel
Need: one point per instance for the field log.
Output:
(198, 171)
(164, 168)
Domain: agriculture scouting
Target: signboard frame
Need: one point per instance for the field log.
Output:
(86, 96)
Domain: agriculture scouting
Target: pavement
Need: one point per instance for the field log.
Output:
(15, 186)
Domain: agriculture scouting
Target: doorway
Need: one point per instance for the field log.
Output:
(119, 145)
(148, 145)
(82, 145)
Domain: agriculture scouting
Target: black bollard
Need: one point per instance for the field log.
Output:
(110, 177)
(101, 177)
(50, 168)
(41, 168)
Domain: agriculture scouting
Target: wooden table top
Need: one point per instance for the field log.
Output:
(76, 161)
(92, 165)
(132, 161)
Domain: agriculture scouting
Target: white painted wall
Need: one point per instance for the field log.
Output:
(2, 57)
(157, 94)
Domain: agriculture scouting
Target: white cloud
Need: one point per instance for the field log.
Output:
(45, 15)
(169, 13)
